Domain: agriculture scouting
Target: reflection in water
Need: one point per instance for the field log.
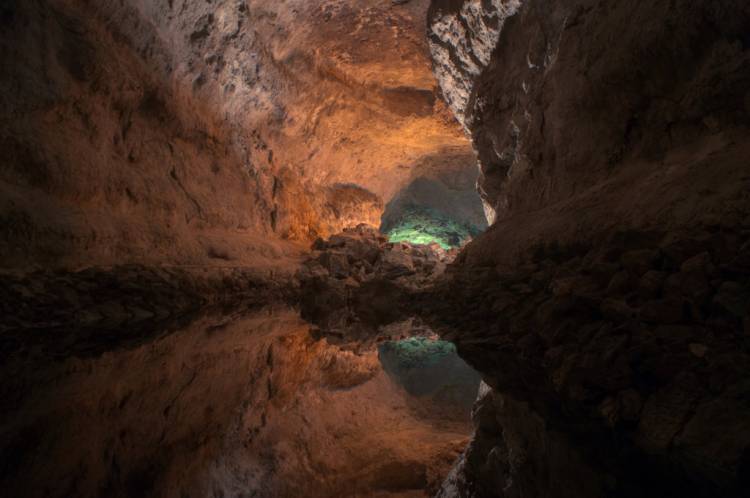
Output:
(430, 367)
(225, 405)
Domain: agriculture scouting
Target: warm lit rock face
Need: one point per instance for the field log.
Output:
(200, 132)
(609, 305)
(161, 157)
(173, 155)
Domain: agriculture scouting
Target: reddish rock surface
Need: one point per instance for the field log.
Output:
(193, 132)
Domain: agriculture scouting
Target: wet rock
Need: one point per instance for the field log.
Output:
(732, 299)
(680, 249)
(664, 414)
(119, 295)
(619, 284)
(670, 310)
(650, 284)
(629, 403)
(726, 446)
(603, 272)
(694, 285)
(596, 182)
(640, 261)
(636, 361)
(675, 335)
(742, 261)
(624, 408)
(313, 269)
(699, 264)
(573, 286)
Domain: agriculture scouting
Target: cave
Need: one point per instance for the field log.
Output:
(375, 248)
(440, 204)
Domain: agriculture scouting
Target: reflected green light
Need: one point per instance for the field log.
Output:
(425, 366)
(418, 351)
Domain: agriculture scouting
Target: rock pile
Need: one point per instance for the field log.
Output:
(357, 282)
(629, 358)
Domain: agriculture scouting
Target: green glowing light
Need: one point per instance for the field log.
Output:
(424, 226)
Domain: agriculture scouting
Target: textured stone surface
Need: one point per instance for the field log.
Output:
(462, 37)
(440, 203)
(573, 95)
(606, 307)
(611, 317)
(621, 386)
(188, 132)
(358, 288)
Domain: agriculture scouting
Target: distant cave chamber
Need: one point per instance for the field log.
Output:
(434, 211)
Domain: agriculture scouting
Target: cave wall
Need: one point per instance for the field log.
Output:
(107, 158)
(204, 132)
(608, 304)
(578, 93)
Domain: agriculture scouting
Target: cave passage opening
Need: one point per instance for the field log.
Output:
(443, 210)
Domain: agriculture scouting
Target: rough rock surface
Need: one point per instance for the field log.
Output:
(632, 356)
(607, 306)
(572, 95)
(193, 132)
(463, 36)
(359, 289)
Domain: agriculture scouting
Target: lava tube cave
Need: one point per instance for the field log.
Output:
(375, 248)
